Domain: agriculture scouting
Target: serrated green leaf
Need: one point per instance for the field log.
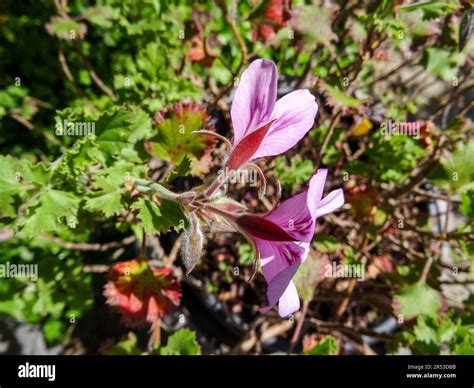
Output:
(17, 177)
(53, 210)
(113, 132)
(108, 191)
(182, 343)
(100, 15)
(339, 98)
(45, 303)
(9, 185)
(456, 171)
(328, 346)
(183, 169)
(298, 172)
(109, 204)
(66, 28)
(417, 299)
(156, 218)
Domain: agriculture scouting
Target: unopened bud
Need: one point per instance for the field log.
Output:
(193, 241)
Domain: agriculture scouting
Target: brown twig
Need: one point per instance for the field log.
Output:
(95, 247)
(27, 124)
(97, 80)
(327, 137)
(170, 259)
(67, 72)
(299, 327)
(243, 60)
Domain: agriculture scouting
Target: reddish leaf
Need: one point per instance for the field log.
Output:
(141, 294)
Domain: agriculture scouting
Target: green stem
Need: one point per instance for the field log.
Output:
(144, 185)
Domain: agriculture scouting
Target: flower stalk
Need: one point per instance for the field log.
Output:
(146, 186)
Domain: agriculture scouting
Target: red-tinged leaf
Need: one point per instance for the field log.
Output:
(140, 293)
(247, 147)
(174, 138)
(262, 228)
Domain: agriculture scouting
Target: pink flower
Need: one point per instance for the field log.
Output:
(262, 125)
(282, 239)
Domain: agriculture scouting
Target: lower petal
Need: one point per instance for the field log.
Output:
(289, 301)
(279, 284)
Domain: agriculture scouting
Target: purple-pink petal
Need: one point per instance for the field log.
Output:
(279, 262)
(254, 98)
(281, 259)
(334, 200)
(289, 302)
(297, 215)
(294, 116)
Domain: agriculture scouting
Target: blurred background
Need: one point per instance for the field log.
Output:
(393, 81)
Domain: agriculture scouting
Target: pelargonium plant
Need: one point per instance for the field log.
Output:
(263, 126)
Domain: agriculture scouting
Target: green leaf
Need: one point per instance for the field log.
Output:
(416, 299)
(13, 307)
(467, 203)
(326, 244)
(109, 203)
(109, 193)
(53, 330)
(298, 172)
(456, 171)
(45, 303)
(328, 346)
(112, 132)
(246, 254)
(156, 218)
(183, 169)
(182, 343)
(126, 347)
(53, 210)
(16, 178)
(430, 9)
(337, 98)
(140, 124)
(100, 15)
(439, 62)
(9, 185)
(66, 28)
(315, 24)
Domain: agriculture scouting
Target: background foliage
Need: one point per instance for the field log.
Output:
(132, 68)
